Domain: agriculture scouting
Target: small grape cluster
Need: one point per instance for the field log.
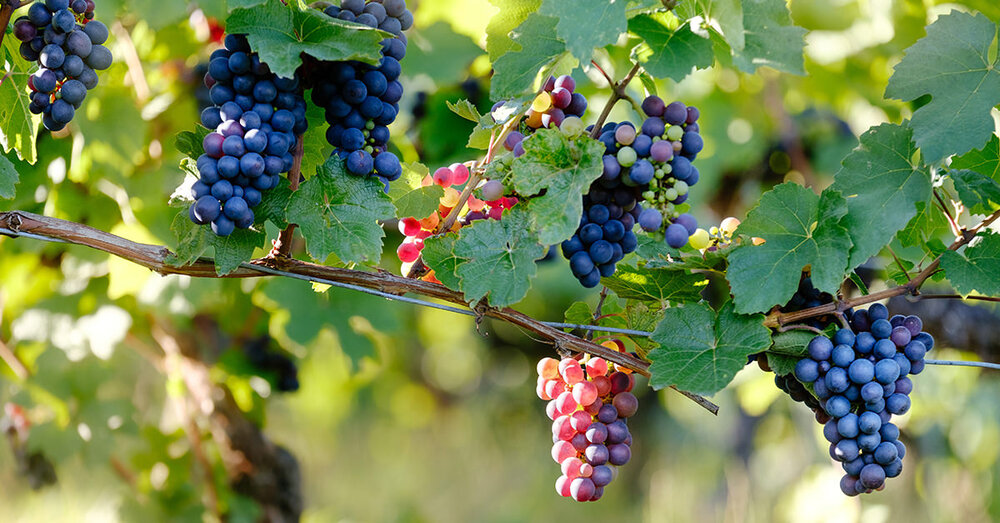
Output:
(860, 376)
(605, 234)
(259, 354)
(450, 179)
(549, 109)
(256, 118)
(64, 38)
(361, 100)
(588, 403)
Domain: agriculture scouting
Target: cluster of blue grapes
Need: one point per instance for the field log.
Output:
(861, 378)
(263, 357)
(362, 100)
(605, 234)
(64, 38)
(256, 118)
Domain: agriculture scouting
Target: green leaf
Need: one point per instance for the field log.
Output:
(465, 109)
(499, 259)
(273, 204)
(772, 39)
(439, 254)
(791, 343)
(515, 71)
(315, 148)
(951, 64)
(882, 184)
(701, 351)
(338, 214)
(280, 34)
(658, 285)
(562, 168)
(985, 161)
(194, 240)
(419, 203)
(978, 192)
(928, 223)
(8, 179)
(579, 313)
(977, 269)
(670, 53)
(18, 127)
(189, 143)
(604, 19)
(512, 14)
(437, 41)
(724, 17)
(780, 364)
(800, 229)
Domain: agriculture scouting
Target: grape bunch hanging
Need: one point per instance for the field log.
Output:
(861, 378)
(361, 100)
(64, 38)
(646, 178)
(257, 117)
(588, 402)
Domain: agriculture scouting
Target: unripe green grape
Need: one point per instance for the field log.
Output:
(648, 195)
(667, 169)
(671, 194)
(572, 126)
(675, 132)
(659, 174)
(681, 187)
(700, 239)
(627, 158)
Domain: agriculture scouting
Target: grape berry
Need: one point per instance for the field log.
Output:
(257, 117)
(861, 377)
(588, 402)
(66, 41)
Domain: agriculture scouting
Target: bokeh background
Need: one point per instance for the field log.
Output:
(413, 414)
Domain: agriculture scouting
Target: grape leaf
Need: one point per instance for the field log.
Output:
(230, 251)
(563, 168)
(337, 213)
(781, 364)
(928, 223)
(515, 71)
(724, 17)
(273, 204)
(190, 142)
(658, 285)
(791, 343)
(8, 179)
(977, 269)
(579, 313)
(279, 34)
(315, 149)
(419, 203)
(978, 192)
(18, 127)
(701, 351)
(882, 186)
(604, 20)
(439, 254)
(670, 53)
(465, 109)
(512, 14)
(436, 41)
(951, 64)
(499, 258)
(985, 161)
(800, 229)
(771, 37)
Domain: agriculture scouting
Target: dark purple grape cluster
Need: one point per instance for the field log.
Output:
(605, 234)
(362, 100)
(807, 297)
(274, 362)
(860, 376)
(257, 118)
(64, 38)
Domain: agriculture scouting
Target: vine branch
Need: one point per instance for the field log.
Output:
(154, 257)
(283, 245)
(779, 319)
(618, 93)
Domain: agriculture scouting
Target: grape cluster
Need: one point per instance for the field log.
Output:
(450, 179)
(259, 354)
(64, 38)
(256, 117)
(361, 100)
(555, 103)
(605, 234)
(860, 376)
(588, 403)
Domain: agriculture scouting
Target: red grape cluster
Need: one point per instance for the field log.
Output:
(589, 402)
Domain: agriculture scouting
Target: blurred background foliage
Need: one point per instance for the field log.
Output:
(411, 414)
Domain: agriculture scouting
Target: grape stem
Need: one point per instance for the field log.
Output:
(7, 8)
(618, 93)
(955, 229)
(778, 319)
(798, 326)
(283, 245)
(899, 263)
(14, 362)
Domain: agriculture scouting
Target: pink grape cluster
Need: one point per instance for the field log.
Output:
(588, 405)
